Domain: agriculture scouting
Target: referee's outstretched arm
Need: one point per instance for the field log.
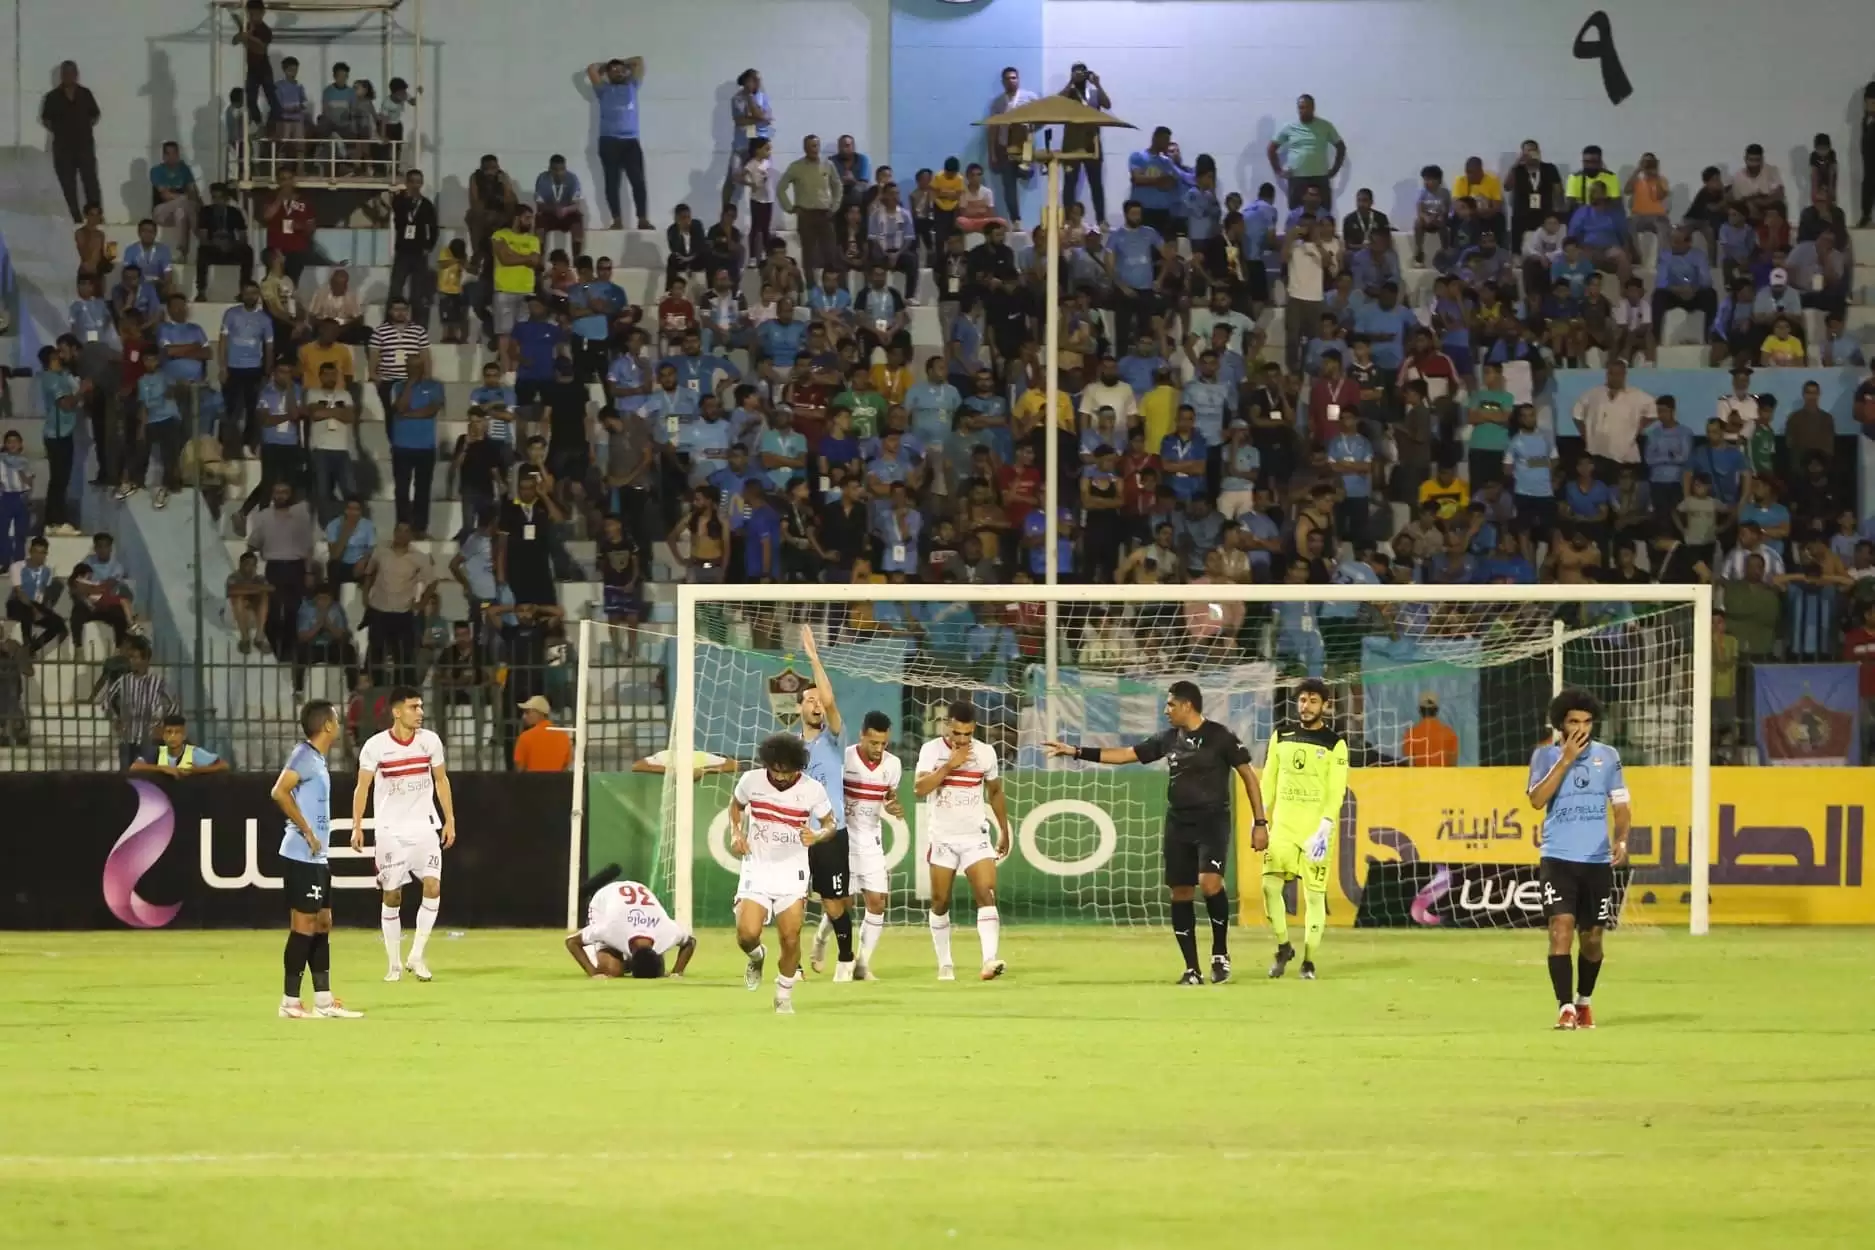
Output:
(1092, 755)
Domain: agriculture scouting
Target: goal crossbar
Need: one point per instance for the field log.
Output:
(691, 597)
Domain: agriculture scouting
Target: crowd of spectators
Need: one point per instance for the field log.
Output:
(772, 418)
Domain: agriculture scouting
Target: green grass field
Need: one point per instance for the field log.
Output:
(1415, 1096)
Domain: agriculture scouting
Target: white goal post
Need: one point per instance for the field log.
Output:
(1691, 676)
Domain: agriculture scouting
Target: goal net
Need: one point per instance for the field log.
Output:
(1442, 694)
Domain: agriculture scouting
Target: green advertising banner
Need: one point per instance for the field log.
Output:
(1087, 845)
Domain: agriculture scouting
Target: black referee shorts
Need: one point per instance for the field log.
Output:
(1196, 844)
(827, 867)
(308, 886)
(1584, 891)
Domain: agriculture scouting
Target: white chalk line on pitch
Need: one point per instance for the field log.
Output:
(1031, 1155)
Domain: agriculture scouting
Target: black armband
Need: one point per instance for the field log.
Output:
(1090, 755)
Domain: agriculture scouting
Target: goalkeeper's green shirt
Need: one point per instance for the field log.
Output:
(1305, 777)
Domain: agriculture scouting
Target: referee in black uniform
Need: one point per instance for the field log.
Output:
(1202, 755)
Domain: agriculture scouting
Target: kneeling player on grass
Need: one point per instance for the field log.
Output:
(958, 778)
(1201, 755)
(1305, 779)
(769, 827)
(628, 931)
(1584, 796)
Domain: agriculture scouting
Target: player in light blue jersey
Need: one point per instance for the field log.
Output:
(1584, 796)
(823, 731)
(304, 793)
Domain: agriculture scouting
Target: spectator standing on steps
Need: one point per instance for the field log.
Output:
(1005, 143)
(413, 234)
(752, 120)
(138, 702)
(615, 86)
(1084, 86)
(810, 190)
(283, 536)
(1308, 152)
(70, 112)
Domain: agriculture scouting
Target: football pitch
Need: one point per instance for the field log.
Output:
(1414, 1096)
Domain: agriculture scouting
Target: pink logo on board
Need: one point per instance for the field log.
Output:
(136, 850)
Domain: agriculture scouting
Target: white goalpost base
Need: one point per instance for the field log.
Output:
(1650, 646)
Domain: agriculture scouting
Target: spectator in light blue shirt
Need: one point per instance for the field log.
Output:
(133, 294)
(1133, 250)
(1155, 178)
(1376, 264)
(784, 443)
(1840, 351)
(1668, 451)
(181, 344)
(1603, 229)
(1141, 365)
(1572, 267)
(626, 381)
(247, 332)
(1352, 456)
(669, 407)
(1183, 456)
(781, 339)
(932, 403)
(1209, 398)
(149, 257)
(615, 87)
(90, 315)
(706, 441)
(1683, 279)
(1202, 214)
(1387, 325)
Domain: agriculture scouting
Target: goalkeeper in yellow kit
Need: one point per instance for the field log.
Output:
(1305, 778)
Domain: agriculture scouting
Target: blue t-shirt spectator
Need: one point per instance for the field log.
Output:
(1134, 249)
(1035, 526)
(412, 432)
(1355, 448)
(1725, 465)
(1667, 451)
(1527, 477)
(181, 334)
(782, 341)
(158, 405)
(537, 343)
(1176, 448)
(783, 443)
(248, 332)
(361, 542)
(1583, 502)
(275, 401)
(618, 108)
(1767, 516)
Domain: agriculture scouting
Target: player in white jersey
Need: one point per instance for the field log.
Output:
(627, 929)
(872, 778)
(401, 771)
(958, 779)
(776, 814)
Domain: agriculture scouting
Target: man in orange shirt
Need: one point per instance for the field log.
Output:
(1430, 743)
(541, 748)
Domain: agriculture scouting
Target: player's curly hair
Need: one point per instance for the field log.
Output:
(783, 753)
(1573, 699)
(645, 964)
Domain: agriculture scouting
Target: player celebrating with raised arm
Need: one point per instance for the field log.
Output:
(1202, 755)
(1584, 796)
(1305, 779)
(824, 733)
(303, 792)
(957, 777)
(871, 779)
(401, 770)
(769, 827)
(627, 929)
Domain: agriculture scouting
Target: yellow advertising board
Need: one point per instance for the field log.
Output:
(1787, 844)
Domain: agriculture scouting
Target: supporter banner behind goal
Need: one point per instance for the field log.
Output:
(107, 851)
(1781, 855)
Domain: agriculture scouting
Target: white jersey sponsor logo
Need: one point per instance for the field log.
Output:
(773, 820)
(958, 809)
(868, 786)
(403, 786)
